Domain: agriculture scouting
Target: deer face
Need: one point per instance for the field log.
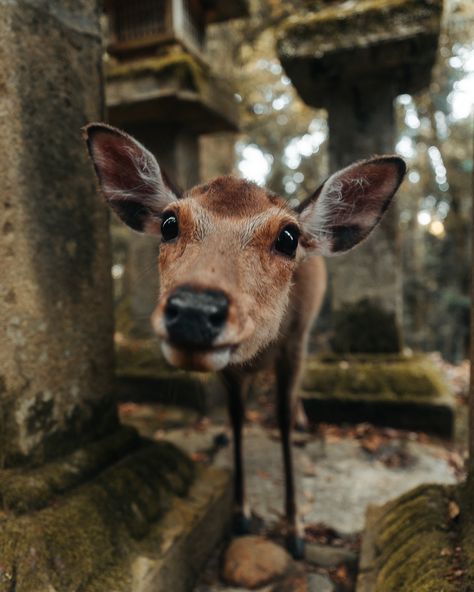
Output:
(229, 248)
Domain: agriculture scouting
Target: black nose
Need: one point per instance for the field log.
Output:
(194, 318)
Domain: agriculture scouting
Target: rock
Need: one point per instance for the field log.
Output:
(252, 561)
(320, 583)
(326, 556)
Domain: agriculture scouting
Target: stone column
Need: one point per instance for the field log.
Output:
(55, 287)
(361, 123)
(353, 59)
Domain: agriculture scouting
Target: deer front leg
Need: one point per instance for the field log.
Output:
(288, 370)
(236, 392)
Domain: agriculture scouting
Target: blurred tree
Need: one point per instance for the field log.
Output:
(436, 138)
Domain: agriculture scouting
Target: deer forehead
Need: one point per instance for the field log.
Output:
(206, 223)
(234, 208)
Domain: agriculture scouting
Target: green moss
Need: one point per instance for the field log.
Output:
(22, 490)
(178, 64)
(413, 543)
(340, 25)
(394, 377)
(92, 529)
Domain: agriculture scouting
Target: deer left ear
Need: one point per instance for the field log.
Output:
(350, 204)
(131, 179)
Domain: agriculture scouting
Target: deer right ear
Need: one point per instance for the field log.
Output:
(129, 176)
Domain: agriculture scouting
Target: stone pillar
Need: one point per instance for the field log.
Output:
(353, 59)
(361, 123)
(55, 287)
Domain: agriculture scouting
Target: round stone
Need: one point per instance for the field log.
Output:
(252, 561)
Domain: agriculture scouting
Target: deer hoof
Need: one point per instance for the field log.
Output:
(295, 546)
(241, 524)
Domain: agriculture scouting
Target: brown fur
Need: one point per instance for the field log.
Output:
(271, 311)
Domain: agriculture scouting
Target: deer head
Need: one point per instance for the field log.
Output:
(229, 248)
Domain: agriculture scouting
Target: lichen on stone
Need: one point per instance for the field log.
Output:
(357, 24)
(414, 543)
(92, 529)
(179, 64)
(378, 377)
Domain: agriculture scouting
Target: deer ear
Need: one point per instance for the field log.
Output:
(129, 176)
(350, 204)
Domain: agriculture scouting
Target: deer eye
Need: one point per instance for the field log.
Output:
(287, 241)
(169, 227)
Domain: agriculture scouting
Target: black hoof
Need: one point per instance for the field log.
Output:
(241, 524)
(295, 546)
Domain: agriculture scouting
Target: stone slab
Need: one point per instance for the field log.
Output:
(391, 41)
(188, 533)
(434, 417)
(172, 89)
(406, 392)
(56, 358)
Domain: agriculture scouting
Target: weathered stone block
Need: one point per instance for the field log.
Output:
(364, 327)
(392, 40)
(144, 523)
(399, 391)
(170, 89)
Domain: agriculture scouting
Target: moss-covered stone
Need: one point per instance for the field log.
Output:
(405, 392)
(91, 530)
(374, 377)
(23, 490)
(417, 543)
(180, 65)
(339, 26)
(170, 88)
(390, 43)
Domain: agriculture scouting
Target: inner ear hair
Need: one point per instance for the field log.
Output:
(313, 197)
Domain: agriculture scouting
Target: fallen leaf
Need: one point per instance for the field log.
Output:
(453, 510)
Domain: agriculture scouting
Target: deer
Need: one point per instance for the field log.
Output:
(242, 275)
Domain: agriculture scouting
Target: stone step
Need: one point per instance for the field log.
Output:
(142, 520)
(405, 392)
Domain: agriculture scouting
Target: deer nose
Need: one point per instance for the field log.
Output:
(194, 318)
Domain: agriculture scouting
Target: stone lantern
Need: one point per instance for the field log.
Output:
(353, 59)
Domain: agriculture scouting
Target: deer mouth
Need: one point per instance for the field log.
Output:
(209, 359)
